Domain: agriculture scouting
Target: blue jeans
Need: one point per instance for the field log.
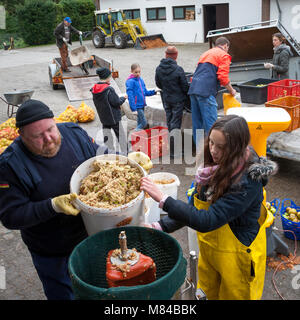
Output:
(141, 120)
(204, 113)
(54, 275)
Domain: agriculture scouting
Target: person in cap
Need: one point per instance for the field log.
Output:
(63, 34)
(35, 173)
(171, 79)
(108, 106)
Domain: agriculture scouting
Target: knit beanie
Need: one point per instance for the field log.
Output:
(31, 111)
(171, 52)
(103, 73)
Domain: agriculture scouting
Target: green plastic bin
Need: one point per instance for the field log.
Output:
(87, 265)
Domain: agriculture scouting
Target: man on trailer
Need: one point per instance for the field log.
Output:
(63, 34)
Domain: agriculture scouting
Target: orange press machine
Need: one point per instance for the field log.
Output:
(262, 122)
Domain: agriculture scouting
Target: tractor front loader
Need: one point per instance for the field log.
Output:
(112, 27)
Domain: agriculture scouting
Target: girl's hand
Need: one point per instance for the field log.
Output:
(152, 189)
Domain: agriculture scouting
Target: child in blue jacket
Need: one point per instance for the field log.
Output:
(137, 91)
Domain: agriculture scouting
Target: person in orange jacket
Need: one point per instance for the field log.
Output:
(211, 73)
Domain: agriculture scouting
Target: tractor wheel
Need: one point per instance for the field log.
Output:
(120, 40)
(98, 39)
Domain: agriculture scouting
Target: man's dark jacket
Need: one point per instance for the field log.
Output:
(170, 77)
(59, 34)
(107, 103)
(31, 181)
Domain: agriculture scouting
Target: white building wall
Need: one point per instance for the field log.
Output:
(240, 12)
(290, 15)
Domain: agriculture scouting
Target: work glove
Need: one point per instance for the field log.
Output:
(268, 65)
(80, 33)
(63, 204)
(64, 40)
(142, 159)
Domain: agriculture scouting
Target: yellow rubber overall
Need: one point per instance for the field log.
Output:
(227, 269)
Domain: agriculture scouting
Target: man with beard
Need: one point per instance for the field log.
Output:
(35, 172)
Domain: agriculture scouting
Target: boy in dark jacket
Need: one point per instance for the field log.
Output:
(108, 103)
(171, 79)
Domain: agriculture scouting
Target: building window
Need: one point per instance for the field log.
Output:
(184, 13)
(132, 14)
(156, 14)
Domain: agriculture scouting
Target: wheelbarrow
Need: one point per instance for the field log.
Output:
(79, 56)
(14, 99)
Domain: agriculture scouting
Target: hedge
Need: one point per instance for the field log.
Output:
(80, 11)
(36, 21)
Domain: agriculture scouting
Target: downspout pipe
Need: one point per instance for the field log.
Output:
(279, 10)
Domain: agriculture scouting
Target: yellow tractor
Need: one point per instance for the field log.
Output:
(112, 27)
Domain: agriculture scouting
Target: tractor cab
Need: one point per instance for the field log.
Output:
(106, 19)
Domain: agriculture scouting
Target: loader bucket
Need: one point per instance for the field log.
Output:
(79, 55)
(149, 42)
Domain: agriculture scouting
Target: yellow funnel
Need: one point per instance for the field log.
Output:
(262, 122)
(229, 101)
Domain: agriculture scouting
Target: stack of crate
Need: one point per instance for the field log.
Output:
(286, 94)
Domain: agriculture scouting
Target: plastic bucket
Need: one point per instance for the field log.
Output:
(146, 213)
(170, 189)
(153, 213)
(98, 219)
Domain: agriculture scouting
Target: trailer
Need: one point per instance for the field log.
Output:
(251, 46)
(81, 77)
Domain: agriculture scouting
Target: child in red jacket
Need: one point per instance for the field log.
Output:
(108, 104)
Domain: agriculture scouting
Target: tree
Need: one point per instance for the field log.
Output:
(10, 5)
(80, 11)
(37, 20)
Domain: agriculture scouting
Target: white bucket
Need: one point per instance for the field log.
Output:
(146, 213)
(169, 189)
(98, 219)
(152, 214)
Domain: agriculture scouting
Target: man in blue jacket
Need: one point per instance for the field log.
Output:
(35, 197)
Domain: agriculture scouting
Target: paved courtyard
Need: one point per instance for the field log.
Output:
(28, 69)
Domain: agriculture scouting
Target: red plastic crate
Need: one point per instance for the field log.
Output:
(282, 88)
(153, 141)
